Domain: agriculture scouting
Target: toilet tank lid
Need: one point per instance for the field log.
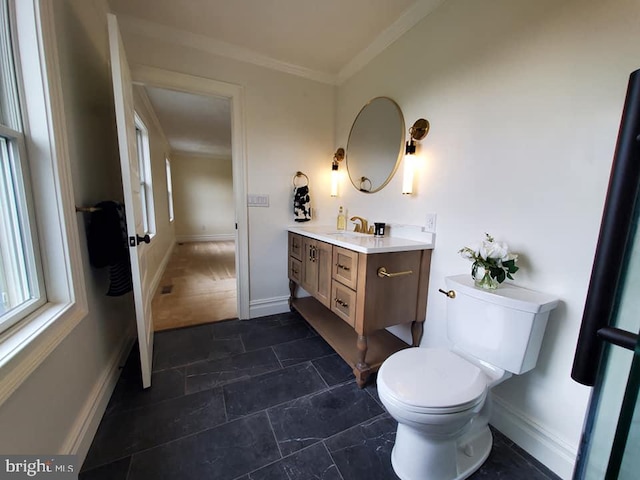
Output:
(507, 295)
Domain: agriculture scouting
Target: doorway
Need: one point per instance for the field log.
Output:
(152, 78)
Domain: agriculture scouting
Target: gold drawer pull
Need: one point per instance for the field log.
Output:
(382, 272)
(343, 267)
(341, 303)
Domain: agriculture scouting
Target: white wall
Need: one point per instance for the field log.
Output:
(524, 100)
(203, 197)
(289, 126)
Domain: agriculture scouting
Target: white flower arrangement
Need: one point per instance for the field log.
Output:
(492, 262)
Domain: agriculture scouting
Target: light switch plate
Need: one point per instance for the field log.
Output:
(258, 200)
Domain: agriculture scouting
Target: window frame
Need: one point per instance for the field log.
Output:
(143, 152)
(28, 235)
(25, 345)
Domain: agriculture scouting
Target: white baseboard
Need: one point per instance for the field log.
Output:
(155, 283)
(222, 237)
(268, 306)
(553, 452)
(85, 427)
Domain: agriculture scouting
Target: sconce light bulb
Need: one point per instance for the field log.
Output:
(335, 179)
(407, 175)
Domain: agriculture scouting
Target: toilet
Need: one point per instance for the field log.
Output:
(440, 397)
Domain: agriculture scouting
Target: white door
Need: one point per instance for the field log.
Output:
(125, 120)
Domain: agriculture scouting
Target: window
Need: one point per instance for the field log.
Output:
(35, 178)
(144, 172)
(21, 289)
(169, 188)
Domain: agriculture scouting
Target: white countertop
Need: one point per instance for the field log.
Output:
(361, 242)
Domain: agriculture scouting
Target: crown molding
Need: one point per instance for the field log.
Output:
(402, 25)
(209, 45)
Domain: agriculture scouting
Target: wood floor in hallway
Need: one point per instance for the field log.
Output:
(199, 284)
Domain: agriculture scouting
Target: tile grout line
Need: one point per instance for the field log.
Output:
(331, 457)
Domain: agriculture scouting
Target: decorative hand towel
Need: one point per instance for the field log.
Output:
(107, 242)
(301, 204)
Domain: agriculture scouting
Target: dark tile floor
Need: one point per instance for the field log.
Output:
(263, 399)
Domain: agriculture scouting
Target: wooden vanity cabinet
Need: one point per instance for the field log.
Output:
(361, 301)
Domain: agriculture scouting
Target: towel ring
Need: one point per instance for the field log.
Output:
(300, 174)
(363, 184)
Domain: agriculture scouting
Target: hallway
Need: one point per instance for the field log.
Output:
(198, 286)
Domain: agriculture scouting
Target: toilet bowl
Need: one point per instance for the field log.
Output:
(440, 397)
(439, 417)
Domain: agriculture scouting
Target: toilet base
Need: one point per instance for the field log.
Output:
(450, 460)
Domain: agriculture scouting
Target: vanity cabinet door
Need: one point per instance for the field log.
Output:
(323, 261)
(345, 267)
(343, 302)
(309, 280)
(316, 269)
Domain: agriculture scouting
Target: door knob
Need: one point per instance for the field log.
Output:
(134, 242)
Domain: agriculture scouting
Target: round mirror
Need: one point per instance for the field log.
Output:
(375, 145)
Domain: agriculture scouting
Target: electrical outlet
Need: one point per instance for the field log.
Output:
(430, 223)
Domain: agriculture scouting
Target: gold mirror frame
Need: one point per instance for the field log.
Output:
(364, 144)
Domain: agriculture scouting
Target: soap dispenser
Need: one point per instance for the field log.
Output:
(342, 220)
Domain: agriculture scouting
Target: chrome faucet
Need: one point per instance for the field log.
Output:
(363, 226)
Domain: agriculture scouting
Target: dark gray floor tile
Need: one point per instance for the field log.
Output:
(264, 391)
(272, 336)
(311, 463)
(193, 349)
(303, 350)
(125, 433)
(213, 373)
(505, 463)
(224, 452)
(333, 369)
(112, 471)
(235, 328)
(129, 393)
(309, 419)
(289, 318)
(364, 451)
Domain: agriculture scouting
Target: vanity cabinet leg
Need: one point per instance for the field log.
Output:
(293, 286)
(362, 370)
(417, 329)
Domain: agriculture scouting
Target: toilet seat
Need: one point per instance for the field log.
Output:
(432, 381)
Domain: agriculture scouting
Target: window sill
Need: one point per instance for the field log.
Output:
(26, 345)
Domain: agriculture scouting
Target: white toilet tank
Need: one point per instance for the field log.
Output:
(503, 327)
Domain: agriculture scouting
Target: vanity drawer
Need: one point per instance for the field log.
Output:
(295, 269)
(295, 246)
(343, 302)
(345, 267)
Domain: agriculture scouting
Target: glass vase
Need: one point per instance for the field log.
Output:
(483, 279)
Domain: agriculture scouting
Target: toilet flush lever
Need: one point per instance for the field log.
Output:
(450, 293)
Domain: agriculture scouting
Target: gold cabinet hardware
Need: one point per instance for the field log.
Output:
(382, 272)
(342, 303)
(450, 293)
(343, 267)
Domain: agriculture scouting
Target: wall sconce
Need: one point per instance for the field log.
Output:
(418, 131)
(335, 175)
